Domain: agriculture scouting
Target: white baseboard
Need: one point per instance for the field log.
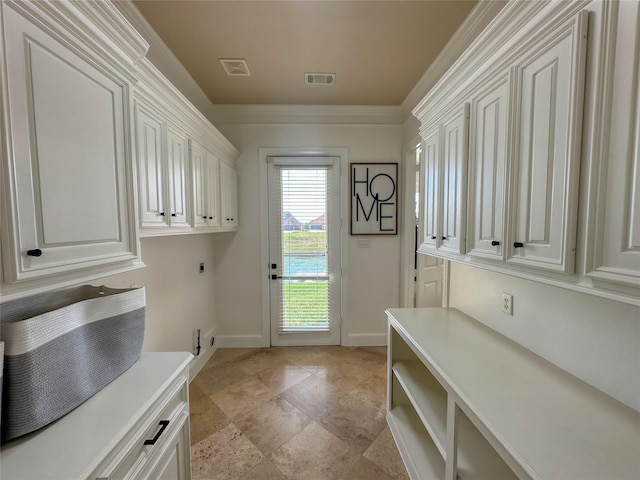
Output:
(364, 339)
(240, 341)
(206, 351)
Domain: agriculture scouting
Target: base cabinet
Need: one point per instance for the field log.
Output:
(137, 427)
(464, 402)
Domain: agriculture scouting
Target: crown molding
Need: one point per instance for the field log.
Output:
(155, 88)
(476, 22)
(97, 26)
(496, 48)
(318, 114)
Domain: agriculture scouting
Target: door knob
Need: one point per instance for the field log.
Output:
(34, 253)
(518, 245)
(495, 243)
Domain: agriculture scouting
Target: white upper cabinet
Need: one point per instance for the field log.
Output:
(151, 170)
(548, 126)
(553, 161)
(67, 175)
(445, 183)
(613, 244)
(178, 178)
(431, 189)
(163, 172)
(454, 139)
(228, 195)
(488, 153)
(206, 190)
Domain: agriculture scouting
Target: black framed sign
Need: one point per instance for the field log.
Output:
(374, 198)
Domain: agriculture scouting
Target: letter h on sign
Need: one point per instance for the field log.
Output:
(374, 198)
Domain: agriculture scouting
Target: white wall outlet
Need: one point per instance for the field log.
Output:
(364, 243)
(507, 304)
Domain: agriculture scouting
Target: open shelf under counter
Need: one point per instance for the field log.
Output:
(427, 396)
(419, 453)
(516, 414)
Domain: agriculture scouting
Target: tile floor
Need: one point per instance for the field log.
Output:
(309, 413)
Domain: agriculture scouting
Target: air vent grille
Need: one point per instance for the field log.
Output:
(319, 78)
(235, 67)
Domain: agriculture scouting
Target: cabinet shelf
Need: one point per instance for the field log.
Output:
(420, 455)
(428, 397)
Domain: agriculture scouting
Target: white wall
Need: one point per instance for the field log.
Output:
(592, 338)
(372, 274)
(179, 298)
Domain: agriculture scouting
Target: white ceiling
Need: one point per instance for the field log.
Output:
(378, 49)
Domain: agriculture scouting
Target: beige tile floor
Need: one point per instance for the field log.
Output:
(309, 413)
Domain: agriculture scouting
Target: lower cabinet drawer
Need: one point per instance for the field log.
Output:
(131, 458)
(173, 462)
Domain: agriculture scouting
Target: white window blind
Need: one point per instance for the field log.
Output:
(304, 263)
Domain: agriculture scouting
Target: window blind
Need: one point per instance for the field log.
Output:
(305, 278)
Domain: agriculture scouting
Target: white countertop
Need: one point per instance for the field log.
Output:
(74, 445)
(555, 425)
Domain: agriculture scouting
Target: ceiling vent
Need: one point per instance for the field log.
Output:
(235, 67)
(319, 78)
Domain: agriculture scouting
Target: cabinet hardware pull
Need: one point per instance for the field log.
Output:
(210, 218)
(163, 425)
(204, 216)
(518, 245)
(433, 237)
(495, 243)
(162, 214)
(34, 253)
(444, 238)
(174, 214)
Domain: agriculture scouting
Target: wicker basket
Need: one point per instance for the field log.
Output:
(62, 348)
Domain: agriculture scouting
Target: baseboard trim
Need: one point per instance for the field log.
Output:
(240, 341)
(364, 340)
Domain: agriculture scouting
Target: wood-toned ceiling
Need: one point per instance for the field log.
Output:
(377, 49)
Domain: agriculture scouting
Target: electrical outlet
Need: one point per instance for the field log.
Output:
(507, 304)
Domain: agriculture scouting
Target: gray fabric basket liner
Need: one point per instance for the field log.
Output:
(63, 347)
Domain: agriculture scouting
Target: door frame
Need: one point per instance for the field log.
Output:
(264, 153)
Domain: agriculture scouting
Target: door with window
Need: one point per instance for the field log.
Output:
(304, 250)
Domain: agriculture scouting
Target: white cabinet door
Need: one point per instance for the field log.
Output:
(177, 180)
(68, 187)
(487, 170)
(174, 463)
(550, 81)
(229, 195)
(151, 170)
(213, 190)
(430, 190)
(454, 140)
(199, 182)
(613, 250)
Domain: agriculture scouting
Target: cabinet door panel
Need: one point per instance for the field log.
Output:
(200, 204)
(614, 243)
(213, 191)
(431, 190)
(488, 162)
(69, 195)
(229, 195)
(178, 167)
(151, 171)
(547, 153)
(454, 181)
